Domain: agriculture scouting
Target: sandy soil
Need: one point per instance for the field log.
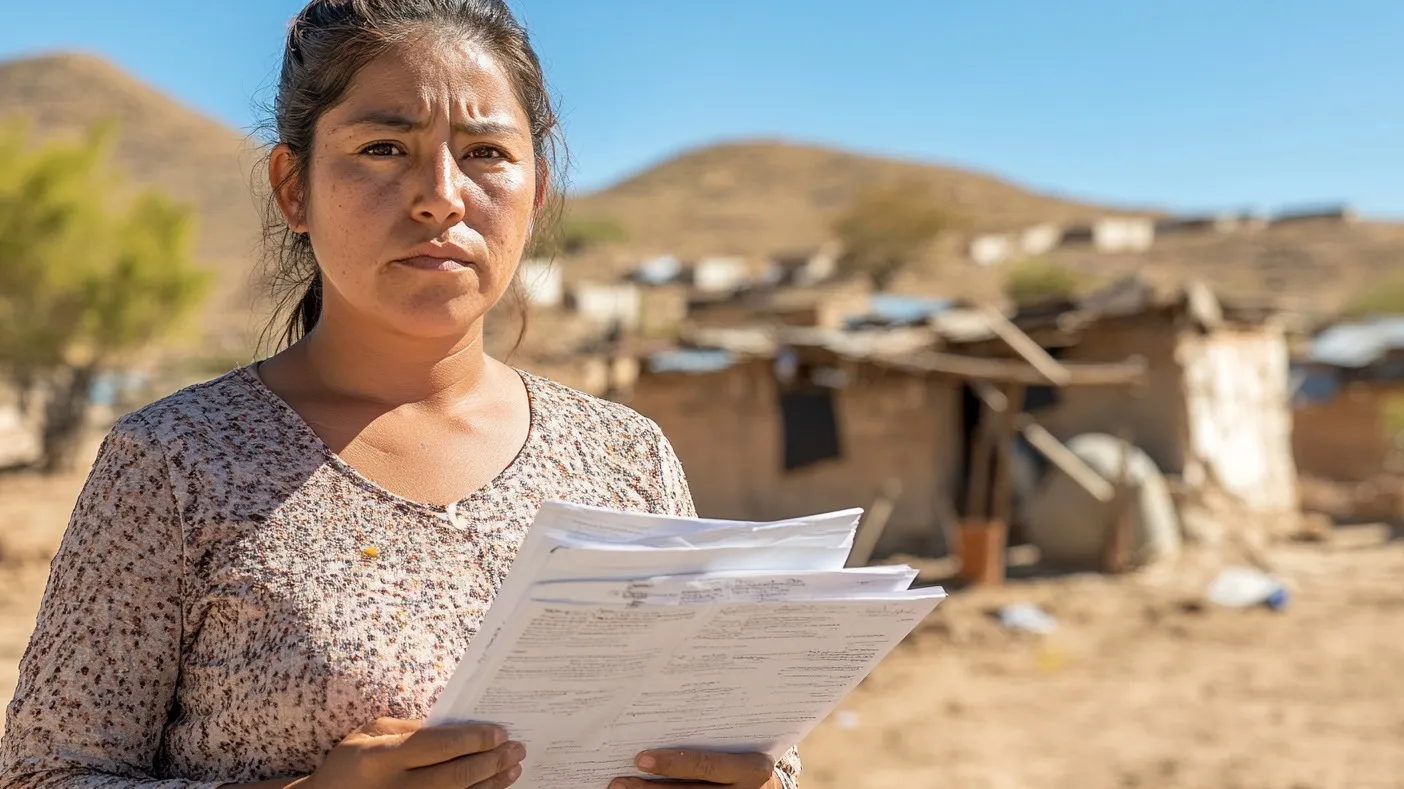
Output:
(1141, 686)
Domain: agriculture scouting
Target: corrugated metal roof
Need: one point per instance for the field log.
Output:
(1358, 344)
(896, 308)
(858, 344)
(691, 360)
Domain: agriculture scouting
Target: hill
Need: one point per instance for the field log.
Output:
(757, 198)
(766, 197)
(1314, 268)
(738, 198)
(162, 143)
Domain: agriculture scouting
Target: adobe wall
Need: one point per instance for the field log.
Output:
(1156, 417)
(726, 429)
(1345, 438)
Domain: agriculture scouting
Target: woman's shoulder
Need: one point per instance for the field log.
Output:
(613, 455)
(200, 412)
(561, 410)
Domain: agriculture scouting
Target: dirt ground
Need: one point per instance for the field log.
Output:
(1141, 685)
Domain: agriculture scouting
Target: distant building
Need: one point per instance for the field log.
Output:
(831, 305)
(719, 275)
(662, 270)
(1040, 239)
(542, 282)
(1226, 222)
(609, 304)
(1315, 213)
(1123, 234)
(1345, 386)
(992, 249)
(662, 310)
(803, 269)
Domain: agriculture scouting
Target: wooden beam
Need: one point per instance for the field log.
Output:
(949, 521)
(1059, 455)
(977, 494)
(991, 395)
(874, 522)
(1002, 507)
(1051, 369)
(1116, 545)
(1050, 447)
(975, 368)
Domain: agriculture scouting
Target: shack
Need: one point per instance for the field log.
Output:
(1216, 405)
(772, 431)
(1348, 394)
(782, 421)
(774, 421)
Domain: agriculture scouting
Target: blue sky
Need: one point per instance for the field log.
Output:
(1184, 104)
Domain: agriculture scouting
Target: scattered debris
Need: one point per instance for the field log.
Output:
(1246, 587)
(1028, 618)
(846, 720)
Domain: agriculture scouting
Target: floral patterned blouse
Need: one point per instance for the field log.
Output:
(231, 599)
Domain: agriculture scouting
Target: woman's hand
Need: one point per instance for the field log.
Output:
(702, 770)
(401, 754)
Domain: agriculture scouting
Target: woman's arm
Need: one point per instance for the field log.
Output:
(97, 681)
(675, 497)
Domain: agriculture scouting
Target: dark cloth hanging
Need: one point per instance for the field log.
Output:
(810, 424)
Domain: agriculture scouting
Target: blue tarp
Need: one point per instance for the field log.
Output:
(691, 360)
(898, 309)
(1358, 344)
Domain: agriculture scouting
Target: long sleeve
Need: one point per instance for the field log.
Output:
(678, 501)
(97, 681)
(677, 497)
(788, 769)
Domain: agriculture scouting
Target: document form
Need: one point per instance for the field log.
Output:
(616, 633)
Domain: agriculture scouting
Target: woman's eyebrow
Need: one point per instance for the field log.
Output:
(473, 127)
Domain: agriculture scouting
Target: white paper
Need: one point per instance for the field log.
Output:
(617, 633)
(730, 587)
(558, 525)
(588, 687)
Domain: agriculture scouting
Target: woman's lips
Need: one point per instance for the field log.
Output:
(431, 263)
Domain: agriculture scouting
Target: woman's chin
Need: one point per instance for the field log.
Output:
(440, 319)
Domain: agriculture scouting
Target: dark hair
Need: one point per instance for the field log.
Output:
(328, 43)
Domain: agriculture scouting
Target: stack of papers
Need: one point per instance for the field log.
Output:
(617, 632)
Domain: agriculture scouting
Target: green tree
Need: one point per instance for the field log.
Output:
(571, 235)
(86, 278)
(1384, 296)
(1036, 281)
(885, 228)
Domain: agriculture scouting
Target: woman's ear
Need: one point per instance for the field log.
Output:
(287, 186)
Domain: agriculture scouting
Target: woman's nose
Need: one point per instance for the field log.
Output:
(440, 199)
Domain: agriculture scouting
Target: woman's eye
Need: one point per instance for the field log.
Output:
(381, 149)
(486, 152)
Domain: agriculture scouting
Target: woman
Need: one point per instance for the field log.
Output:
(270, 576)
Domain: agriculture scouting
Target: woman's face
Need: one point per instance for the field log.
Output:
(421, 190)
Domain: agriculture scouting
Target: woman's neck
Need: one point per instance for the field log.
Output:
(374, 365)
